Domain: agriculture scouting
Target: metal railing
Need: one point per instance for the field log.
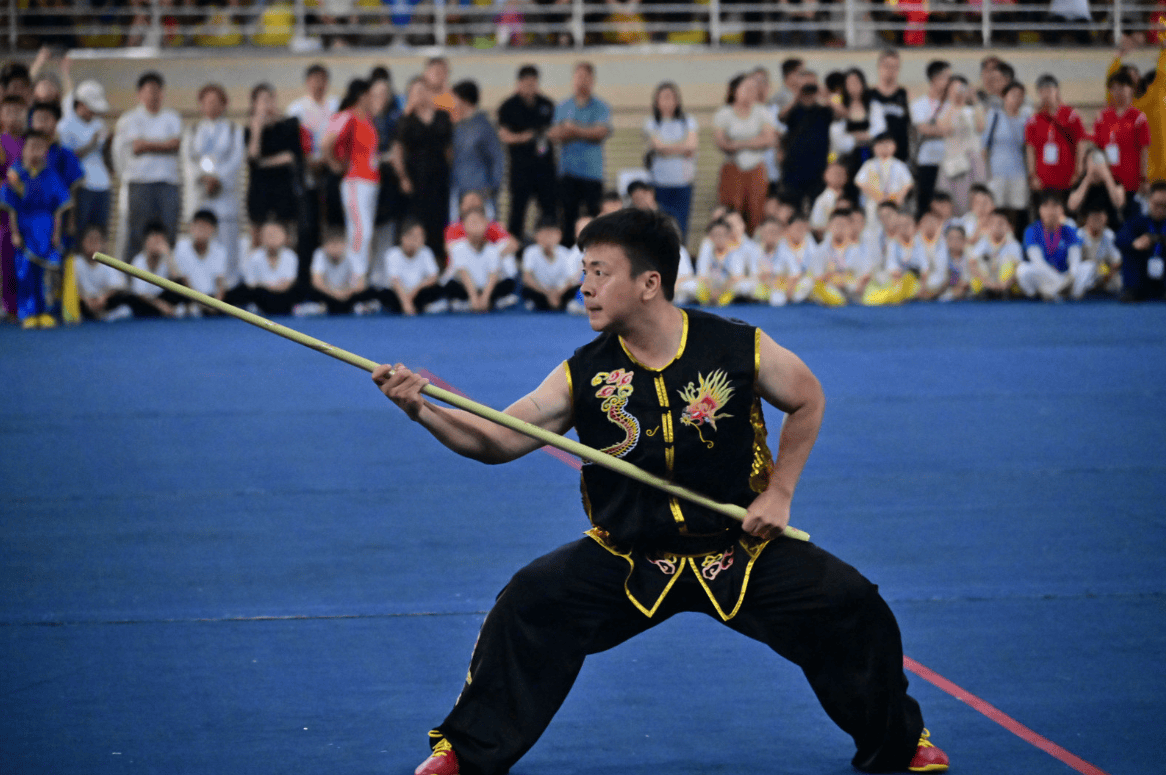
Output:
(154, 24)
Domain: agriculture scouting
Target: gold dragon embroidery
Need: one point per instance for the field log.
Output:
(704, 400)
(615, 390)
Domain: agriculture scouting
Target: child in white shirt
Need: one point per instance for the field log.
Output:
(471, 280)
(201, 260)
(883, 178)
(794, 254)
(550, 274)
(1100, 258)
(722, 268)
(929, 256)
(269, 274)
(411, 274)
(997, 254)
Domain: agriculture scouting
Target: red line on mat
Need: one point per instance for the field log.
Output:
(1001, 718)
(1004, 720)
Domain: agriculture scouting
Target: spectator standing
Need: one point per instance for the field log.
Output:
(386, 115)
(924, 114)
(350, 147)
(214, 150)
(1142, 242)
(1053, 139)
(1004, 153)
(807, 146)
(744, 129)
(85, 133)
(424, 137)
(852, 136)
(963, 161)
(892, 97)
(275, 157)
(523, 120)
(672, 141)
(1150, 98)
(436, 75)
(793, 73)
(1123, 133)
(146, 144)
(582, 125)
(478, 159)
(313, 111)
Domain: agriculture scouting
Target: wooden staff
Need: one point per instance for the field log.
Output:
(541, 434)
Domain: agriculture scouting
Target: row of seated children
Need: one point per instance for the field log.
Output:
(407, 280)
(896, 259)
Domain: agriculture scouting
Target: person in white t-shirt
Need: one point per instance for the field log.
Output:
(314, 110)
(550, 274)
(269, 273)
(883, 178)
(999, 254)
(84, 132)
(472, 279)
(410, 283)
(335, 281)
(201, 260)
(145, 149)
(97, 283)
(929, 256)
(146, 299)
(925, 112)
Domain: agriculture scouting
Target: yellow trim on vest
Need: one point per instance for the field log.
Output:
(676, 357)
(677, 514)
(594, 534)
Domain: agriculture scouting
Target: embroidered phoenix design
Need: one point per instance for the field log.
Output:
(704, 400)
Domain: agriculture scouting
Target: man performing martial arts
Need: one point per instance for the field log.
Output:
(677, 393)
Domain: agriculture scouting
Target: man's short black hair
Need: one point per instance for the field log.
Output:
(548, 222)
(316, 68)
(467, 91)
(151, 76)
(649, 239)
(153, 227)
(935, 67)
(207, 216)
(611, 195)
(639, 185)
(48, 107)
(1014, 85)
(527, 71)
(14, 71)
(790, 66)
(942, 196)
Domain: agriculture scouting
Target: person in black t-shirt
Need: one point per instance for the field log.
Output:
(893, 97)
(523, 120)
(807, 145)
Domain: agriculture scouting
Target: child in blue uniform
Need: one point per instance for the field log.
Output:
(36, 198)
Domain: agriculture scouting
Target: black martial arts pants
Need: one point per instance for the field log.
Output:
(804, 603)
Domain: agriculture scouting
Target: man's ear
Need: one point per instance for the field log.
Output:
(651, 285)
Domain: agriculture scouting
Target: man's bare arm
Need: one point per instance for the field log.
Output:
(548, 406)
(788, 384)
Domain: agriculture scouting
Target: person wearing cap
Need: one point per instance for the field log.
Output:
(1054, 141)
(145, 148)
(84, 132)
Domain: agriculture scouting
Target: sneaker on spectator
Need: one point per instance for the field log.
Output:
(802, 290)
(509, 300)
(120, 312)
(309, 309)
(437, 307)
(460, 305)
(576, 307)
(180, 310)
(777, 298)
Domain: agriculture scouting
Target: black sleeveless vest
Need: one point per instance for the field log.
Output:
(696, 422)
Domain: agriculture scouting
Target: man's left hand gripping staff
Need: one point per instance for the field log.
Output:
(402, 387)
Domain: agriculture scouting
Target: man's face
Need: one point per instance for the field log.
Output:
(201, 232)
(436, 75)
(889, 69)
(45, 122)
(1158, 205)
(212, 104)
(528, 87)
(610, 293)
(993, 80)
(316, 85)
(583, 81)
(150, 95)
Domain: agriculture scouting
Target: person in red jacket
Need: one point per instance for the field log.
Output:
(1053, 137)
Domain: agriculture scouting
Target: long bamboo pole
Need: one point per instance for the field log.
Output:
(493, 415)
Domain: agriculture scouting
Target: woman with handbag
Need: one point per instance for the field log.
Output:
(962, 122)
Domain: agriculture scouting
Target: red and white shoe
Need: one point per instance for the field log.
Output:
(443, 761)
(928, 758)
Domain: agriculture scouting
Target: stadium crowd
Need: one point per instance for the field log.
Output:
(831, 191)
